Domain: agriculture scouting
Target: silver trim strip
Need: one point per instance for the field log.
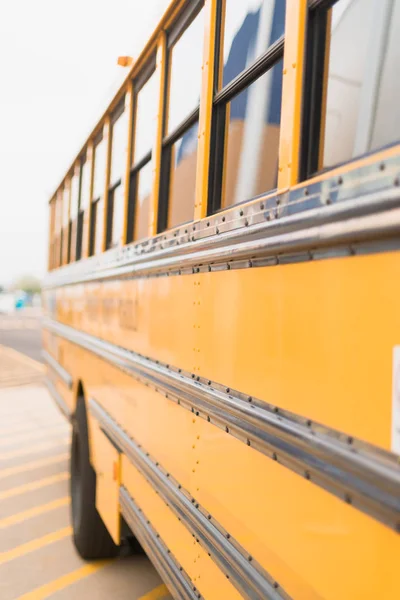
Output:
(58, 399)
(248, 577)
(165, 563)
(367, 218)
(358, 473)
(58, 369)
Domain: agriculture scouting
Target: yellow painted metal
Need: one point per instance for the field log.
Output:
(206, 100)
(106, 462)
(107, 141)
(236, 328)
(203, 572)
(129, 107)
(302, 535)
(161, 66)
(86, 233)
(292, 92)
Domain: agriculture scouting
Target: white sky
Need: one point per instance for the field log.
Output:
(57, 71)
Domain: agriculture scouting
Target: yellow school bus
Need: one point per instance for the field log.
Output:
(222, 322)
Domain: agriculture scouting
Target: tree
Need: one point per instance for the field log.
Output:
(28, 284)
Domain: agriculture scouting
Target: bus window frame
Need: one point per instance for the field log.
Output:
(94, 201)
(113, 185)
(148, 70)
(312, 130)
(174, 34)
(221, 98)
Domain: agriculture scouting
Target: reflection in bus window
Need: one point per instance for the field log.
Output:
(74, 196)
(143, 196)
(118, 214)
(252, 139)
(251, 26)
(363, 95)
(65, 201)
(99, 169)
(85, 186)
(183, 176)
(118, 147)
(185, 75)
(145, 121)
(116, 191)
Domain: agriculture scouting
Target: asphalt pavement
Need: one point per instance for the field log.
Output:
(22, 332)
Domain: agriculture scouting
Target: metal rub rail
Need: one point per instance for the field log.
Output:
(366, 223)
(243, 572)
(58, 399)
(58, 369)
(167, 566)
(359, 473)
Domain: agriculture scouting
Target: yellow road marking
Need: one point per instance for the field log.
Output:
(32, 449)
(156, 594)
(18, 438)
(35, 545)
(62, 582)
(34, 464)
(22, 358)
(34, 485)
(33, 512)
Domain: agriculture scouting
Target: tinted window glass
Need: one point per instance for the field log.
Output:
(143, 196)
(119, 134)
(99, 220)
(363, 94)
(252, 139)
(183, 178)
(85, 185)
(66, 196)
(74, 196)
(250, 27)
(387, 121)
(58, 218)
(185, 75)
(146, 112)
(99, 169)
(118, 214)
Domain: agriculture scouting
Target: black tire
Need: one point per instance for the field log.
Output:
(91, 537)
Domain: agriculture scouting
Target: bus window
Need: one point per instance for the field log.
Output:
(66, 230)
(362, 94)
(247, 116)
(180, 143)
(250, 27)
(141, 173)
(83, 205)
(116, 192)
(96, 226)
(58, 230)
(73, 218)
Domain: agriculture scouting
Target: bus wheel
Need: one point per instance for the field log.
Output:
(91, 537)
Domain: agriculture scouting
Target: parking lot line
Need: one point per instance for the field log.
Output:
(33, 512)
(35, 545)
(33, 449)
(22, 439)
(34, 485)
(159, 592)
(46, 590)
(34, 464)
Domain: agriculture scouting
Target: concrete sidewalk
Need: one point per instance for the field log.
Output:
(17, 369)
(37, 557)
